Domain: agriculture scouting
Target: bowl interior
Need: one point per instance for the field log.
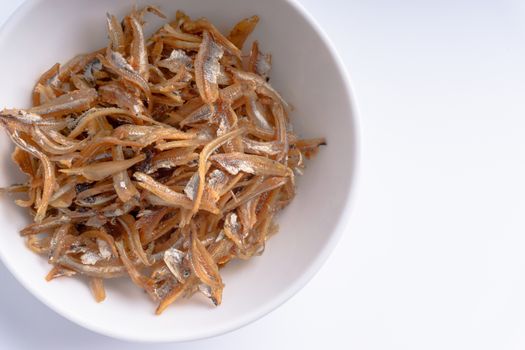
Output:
(307, 74)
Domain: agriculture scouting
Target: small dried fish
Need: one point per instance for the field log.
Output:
(259, 63)
(236, 162)
(167, 194)
(203, 25)
(19, 116)
(146, 135)
(116, 34)
(280, 121)
(128, 224)
(172, 158)
(177, 34)
(261, 86)
(137, 278)
(265, 186)
(45, 141)
(205, 268)
(121, 181)
(49, 173)
(207, 68)
(97, 271)
(139, 55)
(99, 171)
(82, 123)
(261, 147)
(72, 102)
(242, 31)
(256, 112)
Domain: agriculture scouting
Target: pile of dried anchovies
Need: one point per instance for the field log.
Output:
(160, 159)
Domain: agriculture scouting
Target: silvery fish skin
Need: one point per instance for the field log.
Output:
(261, 147)
(263, 65)
(260, 84)
(205, 268)
(146, 135)
(56, 239)
(91, 67)
(217, 179)
(206, 112)
(211, 66)
(248, 216)
(174, 260)
(124, 188)
(118, 63)
(191, 187)
(173, 162)
(104, 249)
(90, 258)
(203, 113)
(177, 59)
(232, 229)
(163, 192)
(117, 209)
(96, 201)
(108, 271)
(236, 162)
(53, 81)
(255, 111)
(164, 289)
(216, 182)
(208, 293)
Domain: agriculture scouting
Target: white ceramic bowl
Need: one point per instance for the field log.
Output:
(310, 76)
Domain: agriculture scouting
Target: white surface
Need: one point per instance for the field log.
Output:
(308, 232)
(435, 257)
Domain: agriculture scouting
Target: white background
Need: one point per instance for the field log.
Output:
(435, 258)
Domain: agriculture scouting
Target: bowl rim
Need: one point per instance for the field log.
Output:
(301, 281)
